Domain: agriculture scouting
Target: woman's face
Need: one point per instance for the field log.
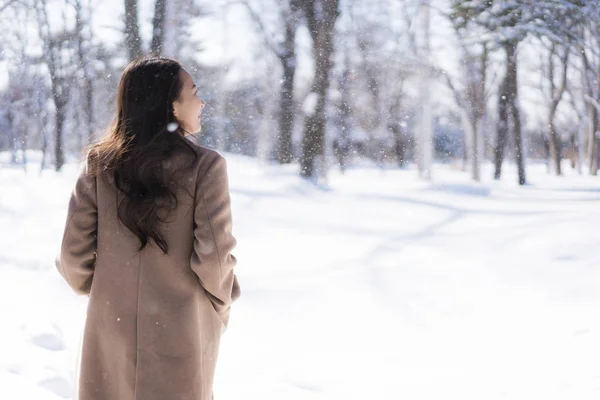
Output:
(188, 107)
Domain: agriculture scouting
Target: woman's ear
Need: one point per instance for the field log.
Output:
(175, 110)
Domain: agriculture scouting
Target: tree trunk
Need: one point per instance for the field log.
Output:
(580, 141)
(425, 151)
(589, 81)
(592, 148)
(60, 116)
(395, 112)
(321, 17)
(399, 145)
(24, 144)
(312, 144)
(556, 94)
(595, 165)
(502, 130)
(12, 138)
(89, 108)
(475, 173)
(44, 150)
(59, 155)
(87, 78)
(158, 27)
(53, 54)
(554, 144)
(132, 32)
(43, 134)
(285, 151)
(520, 157)
(313, 141)
(60, 95)
(508, 107)
(342, 144)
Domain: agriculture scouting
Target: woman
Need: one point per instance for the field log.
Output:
(149, 238)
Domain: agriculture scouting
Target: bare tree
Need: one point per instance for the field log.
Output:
(158, 27)
(181, 19)
(14, 124)
(424, 136)
(6, 4)
(83, 37)
(555, 94)
(57, 56)
(44, 138)
(508, 25)
(284, 48)
(472, 96)
(320, 16)
(405, 49)
(591, 84)
(576, 93)
(23, 90)
(508, 113)
(15, 97)
(366, 46)
(132, 30)
(396, 124)
(25, 101)
(378, 54)
(342, 143)
(287, 57)
(472, 93)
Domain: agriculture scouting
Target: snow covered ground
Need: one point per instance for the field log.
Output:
(380, 286)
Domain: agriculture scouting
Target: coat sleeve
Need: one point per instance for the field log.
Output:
(212, 260)
(77, 256)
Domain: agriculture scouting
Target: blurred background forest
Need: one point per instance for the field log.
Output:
(320, 83)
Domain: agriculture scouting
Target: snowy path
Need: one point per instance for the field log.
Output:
(381, 287)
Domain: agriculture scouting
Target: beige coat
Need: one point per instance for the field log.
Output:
(154, 321)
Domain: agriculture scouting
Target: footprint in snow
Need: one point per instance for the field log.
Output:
(45, 335)
(59, 386)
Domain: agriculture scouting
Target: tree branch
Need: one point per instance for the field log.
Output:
(460, 100)
(592, 101)
(267, 36)
(7, 4)
(563, 84)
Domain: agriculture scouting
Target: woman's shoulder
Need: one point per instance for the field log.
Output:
(205, 155)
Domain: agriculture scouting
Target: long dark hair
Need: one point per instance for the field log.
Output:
(136, 149)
